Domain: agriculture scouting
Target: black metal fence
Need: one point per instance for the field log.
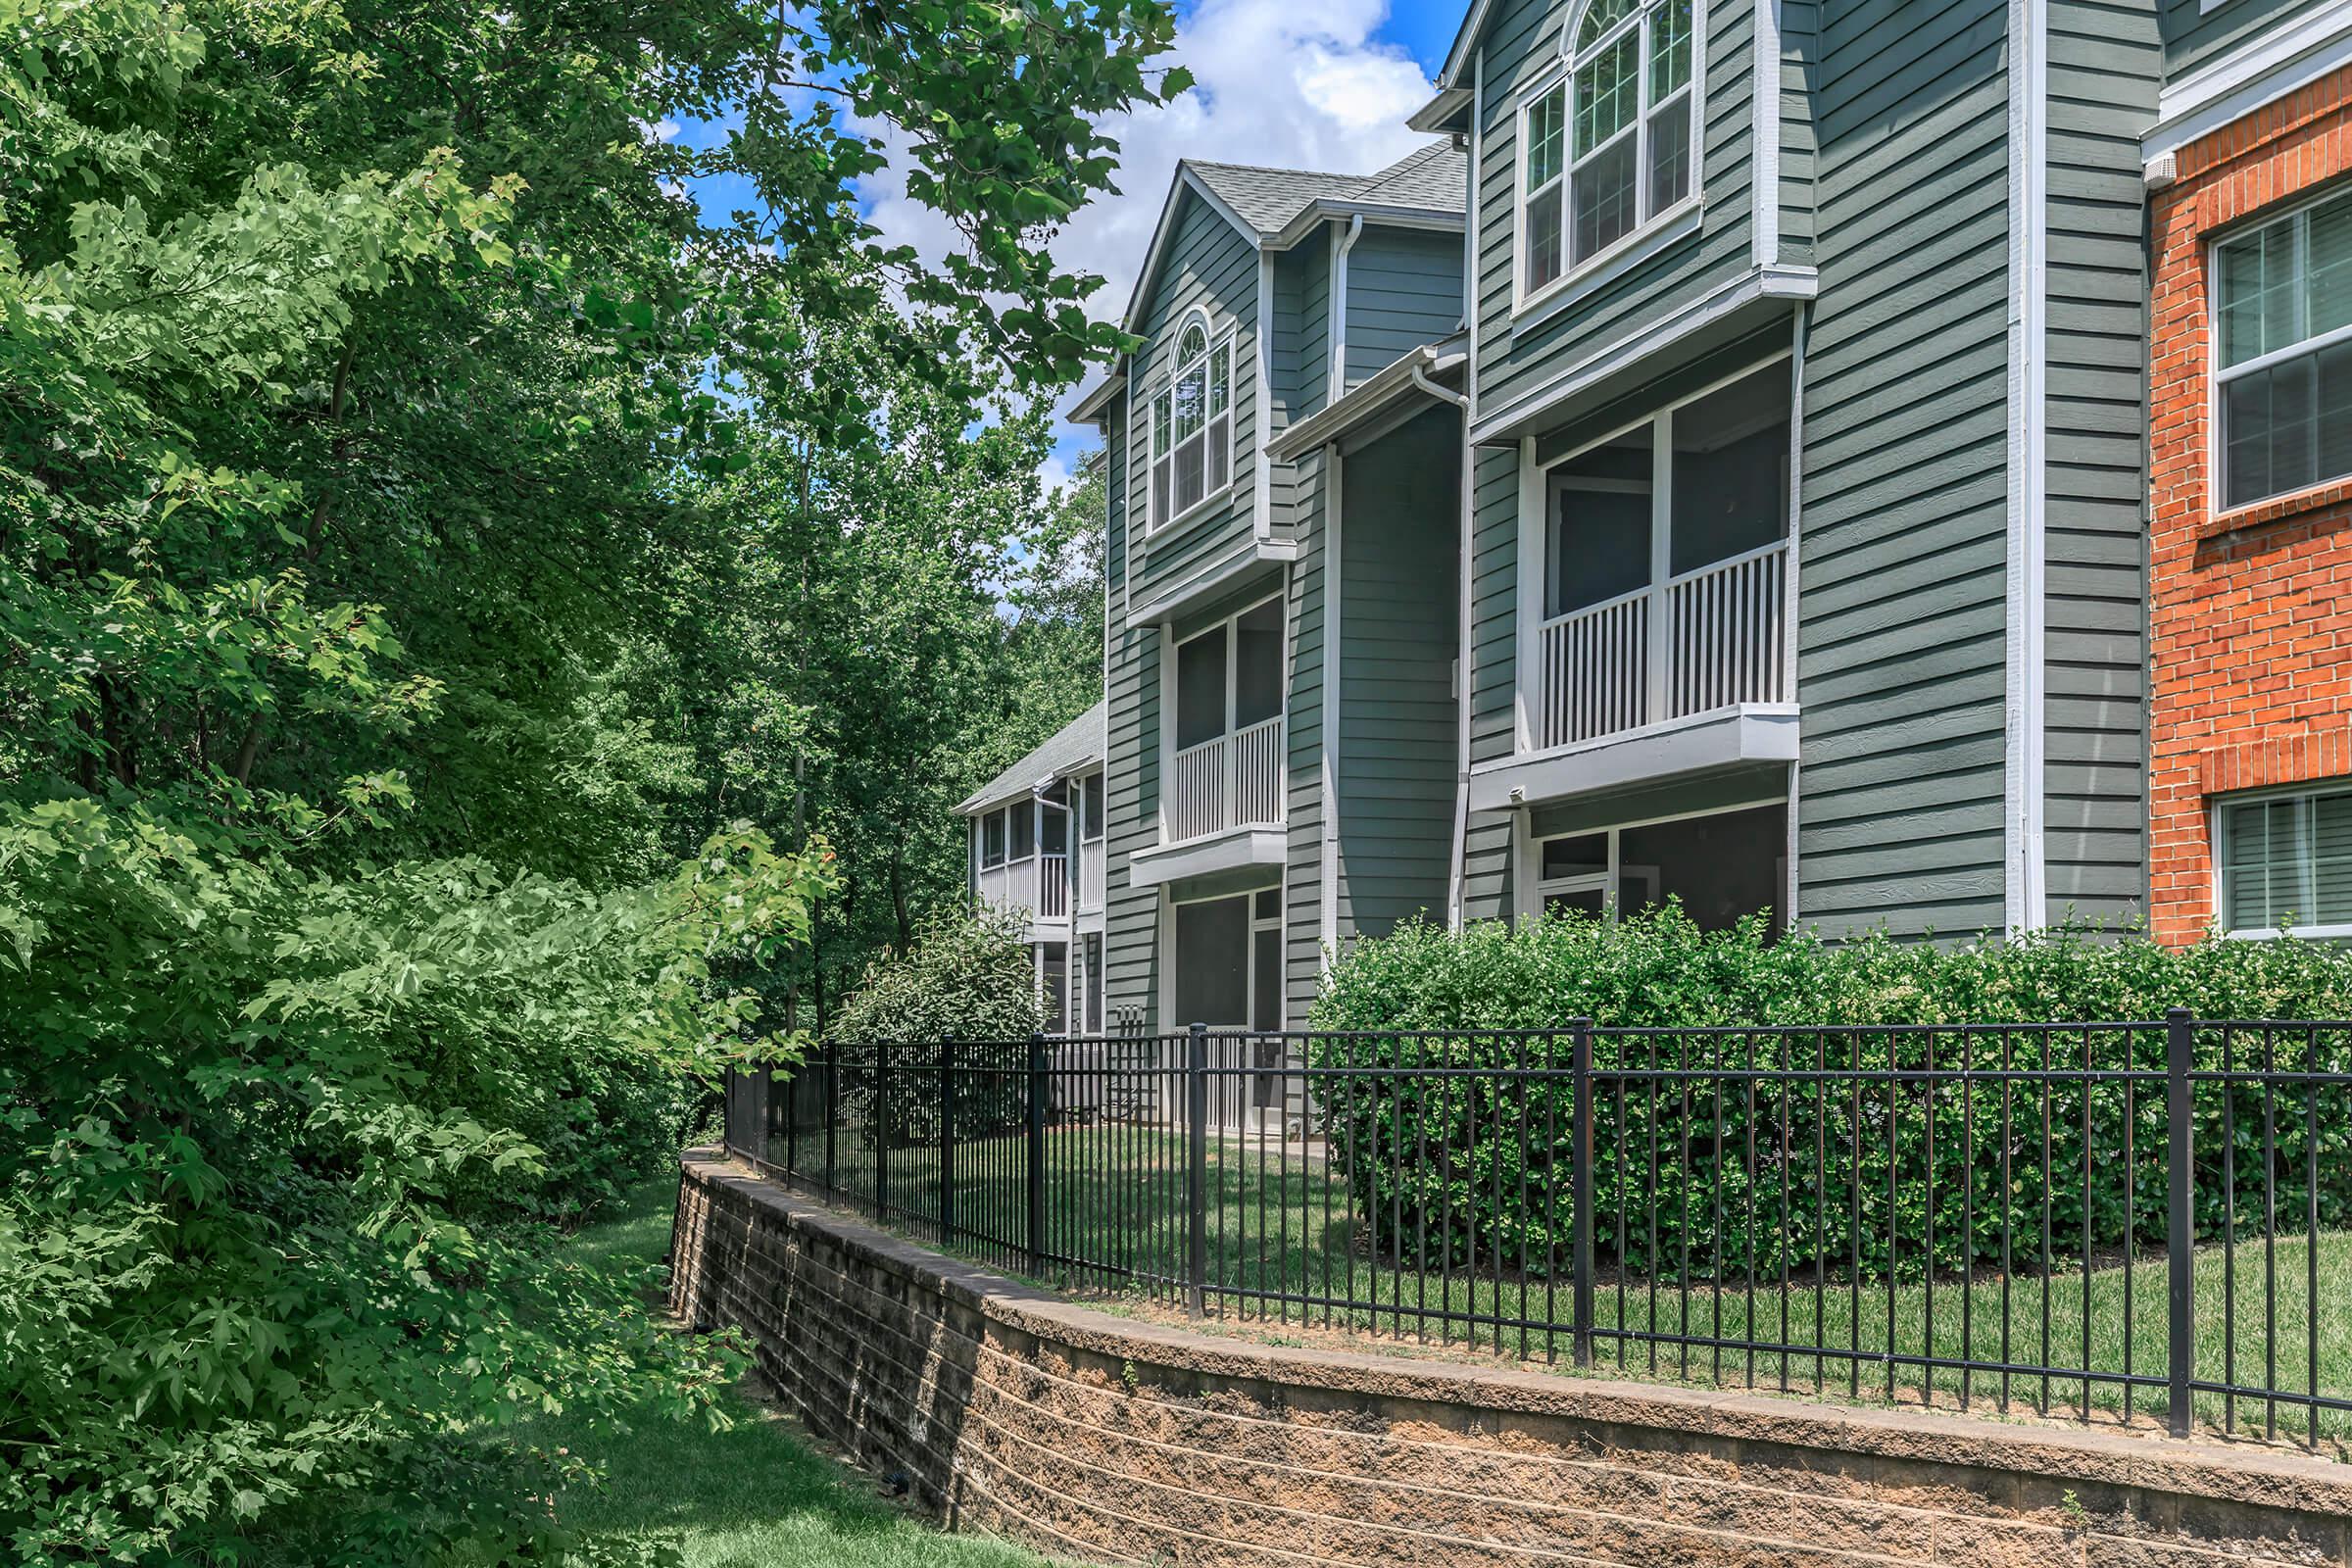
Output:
(2113, 1220)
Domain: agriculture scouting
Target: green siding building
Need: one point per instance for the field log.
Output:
(1715, 467)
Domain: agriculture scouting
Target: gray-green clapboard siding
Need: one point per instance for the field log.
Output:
(1904, 509)
(2105, 63)
(1404, 289)
(1800, 21)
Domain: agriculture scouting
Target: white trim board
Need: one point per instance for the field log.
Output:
(1662, 333)
(2267, 67)
(2025, 787)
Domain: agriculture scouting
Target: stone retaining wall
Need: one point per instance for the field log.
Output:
(1092, 1436)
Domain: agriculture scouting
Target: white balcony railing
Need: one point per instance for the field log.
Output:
(1708, 639)
(1232, 781)
(1038, 886)
(1090, 876)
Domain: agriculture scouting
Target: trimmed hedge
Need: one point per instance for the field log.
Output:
(1787, 1174)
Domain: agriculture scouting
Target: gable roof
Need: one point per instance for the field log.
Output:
(1271, 200)
(1074, 747)
(1262, 202)
(1276, 208)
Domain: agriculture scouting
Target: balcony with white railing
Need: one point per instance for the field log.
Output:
(1038, 886)
(1710, 640)
(1232, 781)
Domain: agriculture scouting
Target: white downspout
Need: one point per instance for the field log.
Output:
(1338, 388)
(1455, 892)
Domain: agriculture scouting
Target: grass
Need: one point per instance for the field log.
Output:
(758, 1496)
(1279, 1225)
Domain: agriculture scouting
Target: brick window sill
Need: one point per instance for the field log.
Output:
(2278, 509)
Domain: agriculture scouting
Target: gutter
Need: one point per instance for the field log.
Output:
(1456, 873)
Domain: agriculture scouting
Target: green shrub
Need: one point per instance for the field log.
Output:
(968, 978)
(277, 1152)
(1795, 1172)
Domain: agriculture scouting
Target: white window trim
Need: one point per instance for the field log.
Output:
(2214, 809)
(1638, 242)
(1164, 383)
(1222, 627)
(2218, 454)
(1534, 889)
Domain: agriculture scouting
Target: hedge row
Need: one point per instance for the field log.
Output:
(1708, 1177)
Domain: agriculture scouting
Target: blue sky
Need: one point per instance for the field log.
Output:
(1323, 84)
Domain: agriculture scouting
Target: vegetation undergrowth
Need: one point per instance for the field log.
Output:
(751, 1493)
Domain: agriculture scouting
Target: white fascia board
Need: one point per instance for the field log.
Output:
(1658, 335)
(2265, 68)
(1756, 733)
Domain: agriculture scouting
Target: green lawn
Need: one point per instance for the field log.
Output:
(1279, 1225)
(759, 1496)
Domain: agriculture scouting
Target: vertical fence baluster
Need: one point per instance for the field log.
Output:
(1580, 1189)
(1196, 1169)
(1033, 1155)
(946, 1140)
(2179, 1054)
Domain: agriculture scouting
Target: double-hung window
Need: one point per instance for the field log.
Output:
(2283, 297)
(1192, 424)
(2285, 863)
(1608, 148)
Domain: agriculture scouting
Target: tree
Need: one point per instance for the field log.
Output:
(370, 893)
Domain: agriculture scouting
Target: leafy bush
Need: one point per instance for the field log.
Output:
(1787, 1172)
(968, 977)
(279, 1154)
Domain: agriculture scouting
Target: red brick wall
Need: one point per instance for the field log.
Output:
(2250, 611)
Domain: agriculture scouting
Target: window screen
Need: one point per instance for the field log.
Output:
(1057, 965)
(1200, 689)
(992, 839)
(1730, 493)
(1266, 956)
(1212, 963)
(1257, 664)
(1724, 867)
(1601, 522)
(1024, 830)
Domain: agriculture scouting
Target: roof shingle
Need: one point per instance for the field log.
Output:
(1069, 750)
(1269, 199)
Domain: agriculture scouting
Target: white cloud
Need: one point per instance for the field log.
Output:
(1053, 476)
(1275, 83)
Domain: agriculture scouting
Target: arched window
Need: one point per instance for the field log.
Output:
(1608, 147)
(1192, 423)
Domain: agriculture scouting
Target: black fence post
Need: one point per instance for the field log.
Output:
(832, 1106)
(1196, 1170)
(2180, 1056)
(1580, 1189)
(1035, 1162)
(792, 1120)
(881, 1132)
(947, 1138)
